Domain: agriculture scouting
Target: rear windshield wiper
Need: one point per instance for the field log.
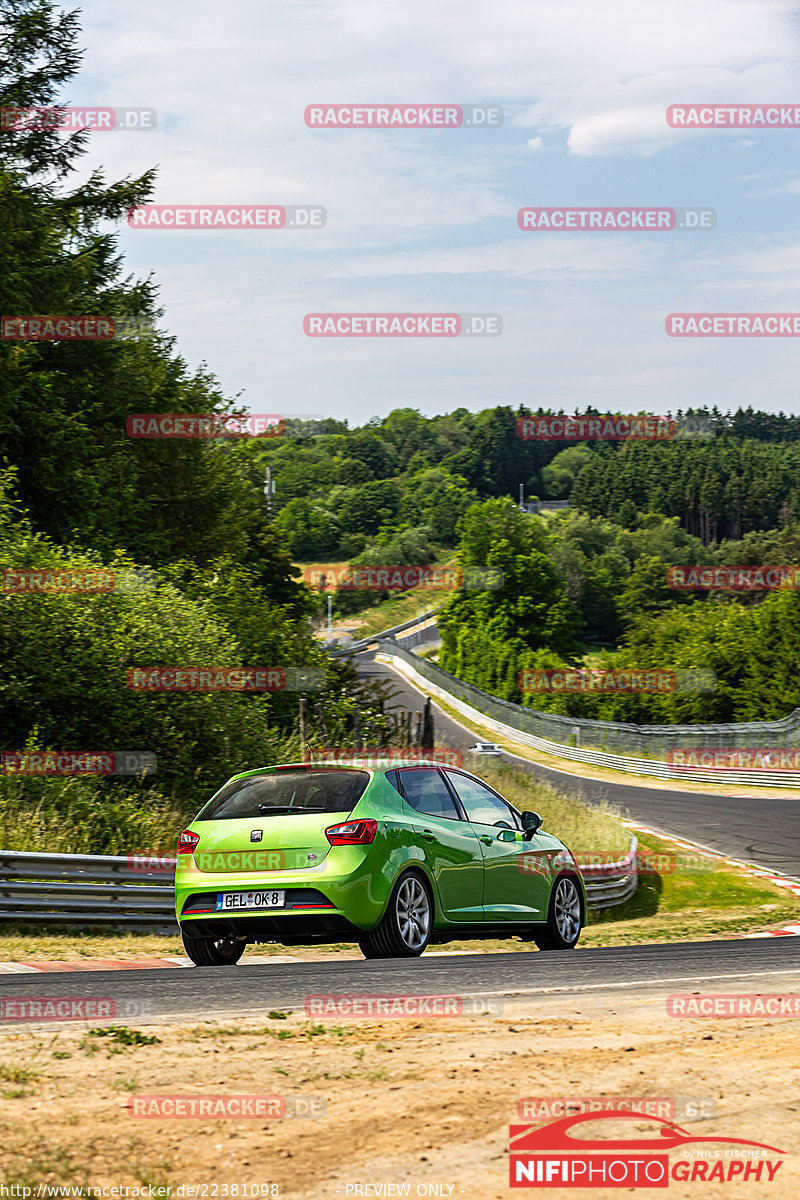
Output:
(266, 809)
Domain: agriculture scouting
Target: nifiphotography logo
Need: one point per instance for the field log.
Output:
(551, 1156)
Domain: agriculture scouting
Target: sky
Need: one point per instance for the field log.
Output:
(425, 220)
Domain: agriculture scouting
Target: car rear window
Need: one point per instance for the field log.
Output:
(284, 793)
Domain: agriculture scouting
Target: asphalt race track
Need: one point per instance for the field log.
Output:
(759, 828)
(158, 995)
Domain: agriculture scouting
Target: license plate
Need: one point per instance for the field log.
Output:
(228, 900)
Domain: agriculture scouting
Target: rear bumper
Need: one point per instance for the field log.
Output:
(346, 897)
(288, 930)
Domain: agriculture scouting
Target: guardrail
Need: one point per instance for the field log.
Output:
(437, 682)
(101, 889)
(537, 506)
(83, 889)
(610, 884)
(362, 643)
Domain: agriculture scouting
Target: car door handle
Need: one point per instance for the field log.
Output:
(428, 835)
(487, 841)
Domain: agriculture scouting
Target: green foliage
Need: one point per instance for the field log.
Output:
(438, 500)
(312, 531)
(613, 574)
(559, 476)
(370, 506)
(487, 632)
(122, 1035)
(65, 659)
(718, 488)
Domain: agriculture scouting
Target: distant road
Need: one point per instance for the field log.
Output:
(759, 828)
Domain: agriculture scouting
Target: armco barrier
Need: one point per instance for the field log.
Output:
(362, 643)
(518, 724)
(83, 889)
(100, 889)
(610, 884)
(612, 738)
(650, 742)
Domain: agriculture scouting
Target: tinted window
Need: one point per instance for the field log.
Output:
(426, 791)
(482, 806)
(286, 792)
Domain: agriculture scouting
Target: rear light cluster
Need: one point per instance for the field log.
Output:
(187, 841)
(352, 833)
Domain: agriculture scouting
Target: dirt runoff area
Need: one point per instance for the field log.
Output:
(399, 1107)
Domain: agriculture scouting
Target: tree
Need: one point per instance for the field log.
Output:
(63, 405)
(559, 476)
(311, 531)
(370, 506)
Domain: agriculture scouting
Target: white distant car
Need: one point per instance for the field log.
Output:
(487, 748)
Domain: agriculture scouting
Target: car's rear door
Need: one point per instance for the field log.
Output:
(513, 889)
(450, 844)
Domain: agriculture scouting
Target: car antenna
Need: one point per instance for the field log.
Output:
(307, 748)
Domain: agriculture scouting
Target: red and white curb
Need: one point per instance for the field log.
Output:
(151, 964)
(781, 881)
(111, 964)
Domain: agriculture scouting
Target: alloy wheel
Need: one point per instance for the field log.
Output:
(567, 910)
(413, 913)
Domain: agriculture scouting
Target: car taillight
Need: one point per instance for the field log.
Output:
(352, 833)
(187, 841)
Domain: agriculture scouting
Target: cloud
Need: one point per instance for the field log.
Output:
(427, 220)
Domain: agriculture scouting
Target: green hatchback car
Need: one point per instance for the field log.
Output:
(393, 859)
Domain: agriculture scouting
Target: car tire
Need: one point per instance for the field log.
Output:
(407, 924)
(213, 952)
(368, 950)
(563, 926)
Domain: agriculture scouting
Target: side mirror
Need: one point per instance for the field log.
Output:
(531, 821)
